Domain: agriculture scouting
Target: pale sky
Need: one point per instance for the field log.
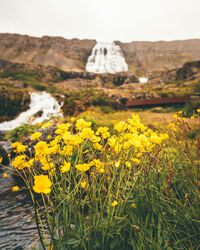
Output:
(103, 20)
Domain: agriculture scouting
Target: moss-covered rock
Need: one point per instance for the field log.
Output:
(12, 103)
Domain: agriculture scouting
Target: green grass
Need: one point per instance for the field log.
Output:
(30, 78)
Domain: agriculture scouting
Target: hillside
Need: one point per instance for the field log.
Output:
(152, 57)
(54, 51)
(143, 58)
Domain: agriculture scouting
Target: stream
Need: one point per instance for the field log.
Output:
(17, 221)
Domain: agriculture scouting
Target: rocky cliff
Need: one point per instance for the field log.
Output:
(143, 58)
(55, 51)
(150, 57)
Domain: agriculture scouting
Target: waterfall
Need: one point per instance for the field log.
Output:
(43, 102)
(106, 58)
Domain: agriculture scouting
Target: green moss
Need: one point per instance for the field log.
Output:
(21, 132)
(31, 78)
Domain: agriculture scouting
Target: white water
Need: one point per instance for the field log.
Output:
(42, 101)
(106, 58)
(143, 79)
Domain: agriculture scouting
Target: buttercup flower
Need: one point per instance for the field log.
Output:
(42, 184)
(65, 167)
(35, 136)
(83, 184)
(15, 188)
(114, 203)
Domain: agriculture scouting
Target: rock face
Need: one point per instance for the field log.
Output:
(52, 74)
(148, 57)
(143, 58)
(188, 72)
(13, 103)
(54, 51)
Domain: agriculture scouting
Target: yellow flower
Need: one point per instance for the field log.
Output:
(128, 164)
(72, 119)
(80, 124)
(49, 137)
(83, 184)
(137, 161)
(40, 147)
(35, 136)
(48, 124)
(138, 155)
(1, 159)
(47, 165)
(97, 146)
(87, 133)
(103, 131)
(102, 170)
(65, 167)
(5, 175)
(133, 205)
(15, 188)
(32, 246)
(15, 144)
(67, 150)
(42, 184)
(20, 148)
(63, 128)
(117, 164)
(19, 162)
(83, 167)
(114, 203)
(198, 110)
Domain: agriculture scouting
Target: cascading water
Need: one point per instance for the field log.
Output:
(43, 102)
(106, 58)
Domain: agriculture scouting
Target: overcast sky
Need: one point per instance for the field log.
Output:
(103, 20)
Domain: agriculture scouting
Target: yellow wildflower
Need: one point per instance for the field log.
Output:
(97, 146)
(72, 119)
(103, 131)
(15, 144)
(198, 110)
(114, 203)
(117, 164)
(83, 167)
(133, 205)
(20, 148)
(48, 124)
(42, 184)
(5, 175)
(19, 162)
(137, 161)
(63, 128)
(40, 147)
(47, 165)
(87, 133)
(83, 184)
(65, 167)
(80, 124)
(35, 136)
(1, 159)
(49, 137)
(128, 164)
(15, 188)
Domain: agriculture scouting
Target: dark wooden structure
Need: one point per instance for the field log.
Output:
(157, 101)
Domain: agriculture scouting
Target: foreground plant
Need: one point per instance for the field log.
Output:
(119, 190)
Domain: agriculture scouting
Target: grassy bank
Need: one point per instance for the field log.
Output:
(124, 186)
